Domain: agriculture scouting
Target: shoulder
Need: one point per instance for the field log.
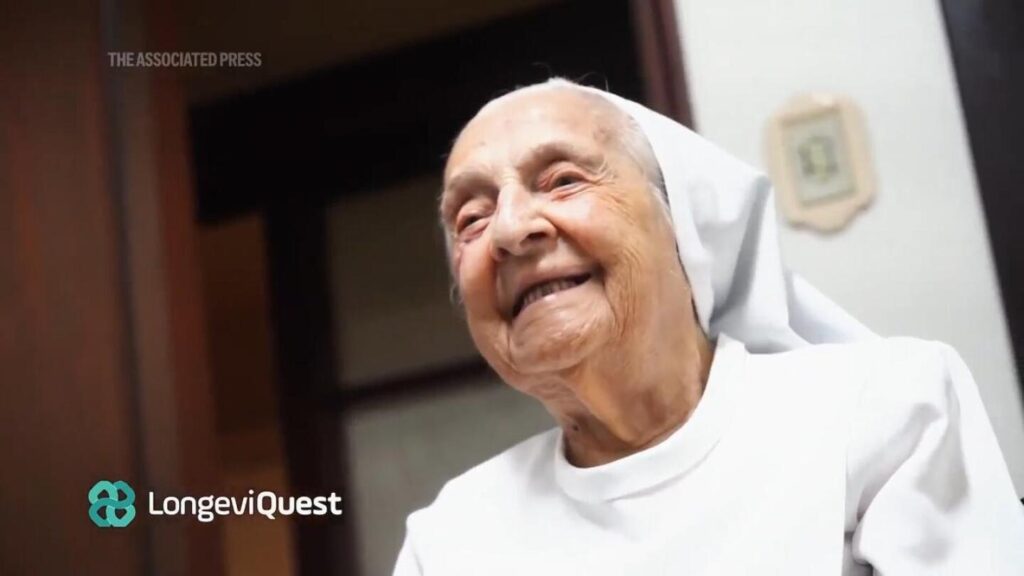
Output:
(917, 403)
(905, 383)
(924, 469)
(864, 353)
(872, 385)
(905, 374)
(873, 363)
(884, 399)
(484, 490)
(827, 368)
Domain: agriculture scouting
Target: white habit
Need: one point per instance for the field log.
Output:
(816, 448)
(828, 459)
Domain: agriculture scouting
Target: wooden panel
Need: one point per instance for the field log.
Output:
(101, 328)
(248, 416)
(238, 312)
(67, 414)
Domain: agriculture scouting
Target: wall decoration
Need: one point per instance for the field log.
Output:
(818, 158)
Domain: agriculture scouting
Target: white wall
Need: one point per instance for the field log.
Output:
(918, 261)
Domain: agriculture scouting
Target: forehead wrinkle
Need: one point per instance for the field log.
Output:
(558, 149)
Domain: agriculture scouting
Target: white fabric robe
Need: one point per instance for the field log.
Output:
(872, 457)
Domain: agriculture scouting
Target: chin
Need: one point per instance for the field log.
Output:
(556, 351)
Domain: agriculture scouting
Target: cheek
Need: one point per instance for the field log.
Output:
(604, 223)
(606, 229)
(475, 277)
(619, 232)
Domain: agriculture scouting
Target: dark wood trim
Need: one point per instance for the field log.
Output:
(315, 450)
(161, 270)
(661, 55)
(987, 43)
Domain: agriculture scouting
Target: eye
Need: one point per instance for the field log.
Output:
(470, 225)
(467, 221)
(471, 218)
(564, 180)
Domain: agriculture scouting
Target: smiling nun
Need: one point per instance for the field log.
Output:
(715, 413)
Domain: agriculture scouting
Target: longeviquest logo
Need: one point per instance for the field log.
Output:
(111, 503)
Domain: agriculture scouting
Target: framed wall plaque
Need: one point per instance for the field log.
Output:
(818, 158)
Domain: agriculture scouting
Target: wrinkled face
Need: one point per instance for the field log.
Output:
(561, 251)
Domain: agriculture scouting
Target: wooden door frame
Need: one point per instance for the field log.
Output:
(661, 54)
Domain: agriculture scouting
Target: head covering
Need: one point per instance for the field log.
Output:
(723, 212)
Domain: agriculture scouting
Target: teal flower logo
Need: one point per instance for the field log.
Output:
(105, 496)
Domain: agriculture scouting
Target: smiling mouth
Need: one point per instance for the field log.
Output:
(538, 291)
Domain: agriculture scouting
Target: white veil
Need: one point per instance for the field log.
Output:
(724, 216)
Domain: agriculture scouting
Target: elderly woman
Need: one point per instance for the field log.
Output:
(715, 414)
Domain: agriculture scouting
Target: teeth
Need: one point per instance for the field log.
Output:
(543, 290)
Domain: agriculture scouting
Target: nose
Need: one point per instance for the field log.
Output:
(518, 228)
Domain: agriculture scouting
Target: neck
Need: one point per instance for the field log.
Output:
(610, 412)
